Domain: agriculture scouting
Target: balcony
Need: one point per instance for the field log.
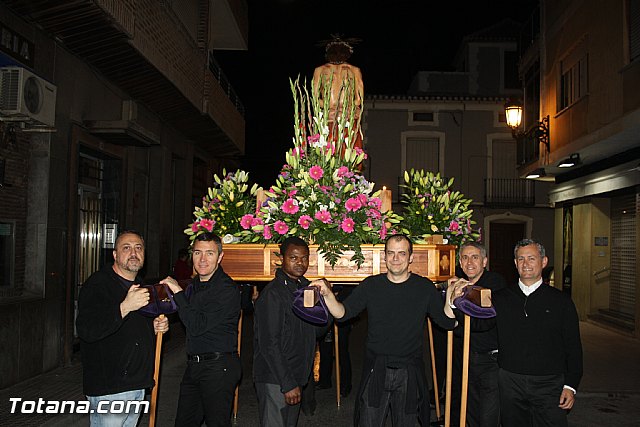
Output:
(506, 193)
(142, 48)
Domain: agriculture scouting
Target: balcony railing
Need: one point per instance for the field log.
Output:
(215, 68)
(509, 192)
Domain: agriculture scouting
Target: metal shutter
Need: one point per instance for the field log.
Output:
(623, 254)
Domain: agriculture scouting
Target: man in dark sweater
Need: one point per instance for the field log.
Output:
(397, 304)
(209, 309)
(540, 355)
(483, 408)
(117, 341)
(284, 344)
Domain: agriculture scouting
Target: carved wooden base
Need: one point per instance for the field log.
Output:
(257, 263)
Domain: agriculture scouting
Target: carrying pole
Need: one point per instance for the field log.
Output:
(447, 405)
(436, 392)
(156, 378)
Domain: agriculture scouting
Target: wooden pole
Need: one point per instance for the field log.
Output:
(447, 405)
(465, 370)
(235, 394)
(336, 348)
(156, 378)
(436, 392)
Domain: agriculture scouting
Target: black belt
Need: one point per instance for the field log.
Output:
(206, 356)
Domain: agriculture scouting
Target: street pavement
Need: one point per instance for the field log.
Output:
(609, 394)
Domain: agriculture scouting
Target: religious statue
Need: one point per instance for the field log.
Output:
(335, 79)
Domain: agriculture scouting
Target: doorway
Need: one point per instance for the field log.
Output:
(503, 237)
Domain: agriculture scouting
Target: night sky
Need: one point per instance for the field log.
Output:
(399, 38)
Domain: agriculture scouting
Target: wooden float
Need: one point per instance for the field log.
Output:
(246, 262)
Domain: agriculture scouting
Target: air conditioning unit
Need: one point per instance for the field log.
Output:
(25, 96)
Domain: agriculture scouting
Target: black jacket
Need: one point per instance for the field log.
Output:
(284, 344)
(210, 312)
(117, 353)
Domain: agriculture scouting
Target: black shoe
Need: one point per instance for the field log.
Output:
(323, 386)
(309, 411)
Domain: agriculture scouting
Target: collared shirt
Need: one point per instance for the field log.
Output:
(528, 290)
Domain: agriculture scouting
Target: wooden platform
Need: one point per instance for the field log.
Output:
(257, 263)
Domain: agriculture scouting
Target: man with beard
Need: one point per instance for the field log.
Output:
(397, 304)
(209, 309)
(117, 342)
(284, 344)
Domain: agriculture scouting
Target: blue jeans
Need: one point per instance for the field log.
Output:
(117, 415)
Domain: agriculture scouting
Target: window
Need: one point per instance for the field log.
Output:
(423, 153)
(7, 244)
(573, 82)
(423, 118)
(511, 79)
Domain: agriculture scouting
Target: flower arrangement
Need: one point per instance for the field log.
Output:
(224, 205)
(431, 207)
(319, 194)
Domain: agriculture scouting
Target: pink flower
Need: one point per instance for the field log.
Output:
(292, 193)
(256, 221)
(360, 151)
(280, 227)
(347, 225)
(305, 221)
(342, 171)
(266, 233)
(375, 202)
(374, 213)
(363, 199)
(454, 226)
(246, 221)
(194, 226)
(383, 231)
(316, 172)
(313, 138)
(323, 216)
(207, 224)
(290, 206)
(369, 223)
(352, 204)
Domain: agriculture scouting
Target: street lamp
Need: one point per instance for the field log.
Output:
(540, 132)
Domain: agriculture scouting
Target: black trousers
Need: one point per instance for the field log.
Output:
(531, 400)
(483, 398)
(327, 356)
(206, 391)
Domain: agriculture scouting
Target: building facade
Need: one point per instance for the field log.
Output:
(454, 123)
(584, 74)
(113, 116)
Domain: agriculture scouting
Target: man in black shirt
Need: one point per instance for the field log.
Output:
(397, 304)
(209, 309)
(116, 339)
(284, 344)
(483, 408)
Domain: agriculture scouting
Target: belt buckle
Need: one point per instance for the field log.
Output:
(197, 358)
